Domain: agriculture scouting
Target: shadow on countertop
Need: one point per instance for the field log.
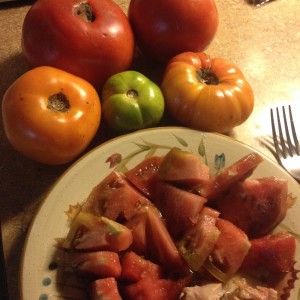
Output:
(6, 4)
(23, 183)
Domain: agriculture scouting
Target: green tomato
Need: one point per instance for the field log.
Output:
(131, 101)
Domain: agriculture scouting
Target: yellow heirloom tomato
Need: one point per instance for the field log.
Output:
(205, 93)
(50, 115)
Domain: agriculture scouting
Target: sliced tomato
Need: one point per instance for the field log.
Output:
(220, 183)
(231, 247)
(156, 289)
(92, 233)
(143, 175)
(275, 252)
(135, 268)
(179, 208)
(256, 206)
(183, 168)
(114, 197)
(198, 242)
(105, 289)
(100, 264)
(160, 245)
(137, 225)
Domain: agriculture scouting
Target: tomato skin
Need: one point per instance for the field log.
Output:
(53, 34)
(166, 28)
(41, 133)
(194, 101)
(131, 101)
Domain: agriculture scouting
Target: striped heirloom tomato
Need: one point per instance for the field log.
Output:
(209, 94)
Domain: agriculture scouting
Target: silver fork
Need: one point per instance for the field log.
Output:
(260, 2)
(286, 142)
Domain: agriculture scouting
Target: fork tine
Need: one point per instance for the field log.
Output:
(282, 142)
(287, 133)
(275, 140)
(286, 143)
(296, 141)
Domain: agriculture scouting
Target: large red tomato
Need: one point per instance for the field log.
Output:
(164, 28)
(91, 39)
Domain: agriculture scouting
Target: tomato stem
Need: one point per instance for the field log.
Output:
(204, 75)
(58, 102)
(132, 94)
(85, 11)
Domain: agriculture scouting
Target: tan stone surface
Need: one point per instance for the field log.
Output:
(264, 42)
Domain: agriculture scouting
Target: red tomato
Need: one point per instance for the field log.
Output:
(269, 197)
(178, 207)
(166, 28)
(105, 288)
(199, 240)
(137, 224)
(92, 40)
(136, 267)
(183, 168)
(143, 175)
(100, 264)
(229, 176)
(50, 115)
(150, 288)
(275, 252)
(163, 248)
(231, 247)
(89, 233)
(114, 197)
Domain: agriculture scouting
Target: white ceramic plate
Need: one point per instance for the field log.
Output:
(39, 278)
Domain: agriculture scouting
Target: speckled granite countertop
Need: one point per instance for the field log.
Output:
(264, 42)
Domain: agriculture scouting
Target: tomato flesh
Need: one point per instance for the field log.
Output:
(115, 198)
(179, 208)
(256, 206)
(155, 289)
(92, 233)
(231, 247)
(183, 168)
(220, 183)
(135, 268)
(100, 264)
(105, 288)
(143, 175)
(275, 252)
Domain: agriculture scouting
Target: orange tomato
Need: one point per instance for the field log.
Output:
(206, 94)
(50, 115)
